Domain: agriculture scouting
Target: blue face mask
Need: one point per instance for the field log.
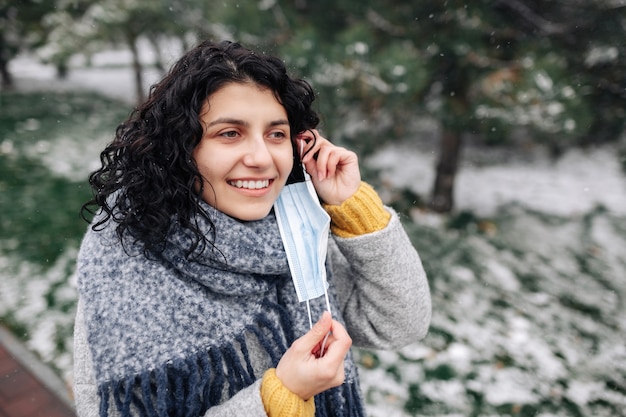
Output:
(304, 226)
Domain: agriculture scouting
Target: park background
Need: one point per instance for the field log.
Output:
(496, 129)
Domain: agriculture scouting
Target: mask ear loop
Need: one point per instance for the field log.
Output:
(322, 350)
(308, 305)
(302, 155)
(308, 308)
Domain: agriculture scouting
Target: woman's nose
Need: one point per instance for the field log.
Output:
(258, 154)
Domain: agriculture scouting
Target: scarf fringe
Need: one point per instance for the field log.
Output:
(187, 387)
(344, 400)
(190, 386)
(170, 391)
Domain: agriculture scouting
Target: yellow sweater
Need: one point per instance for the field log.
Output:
(280, 401)
(360, 214)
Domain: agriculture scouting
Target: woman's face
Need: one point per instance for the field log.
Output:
(245, 154)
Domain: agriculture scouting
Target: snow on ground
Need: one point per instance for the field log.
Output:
(108, 72)
(571, 185)
(528, 313)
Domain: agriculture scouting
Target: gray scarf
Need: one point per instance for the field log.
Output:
(170, 335)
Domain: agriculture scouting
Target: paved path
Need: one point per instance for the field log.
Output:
(27, 387)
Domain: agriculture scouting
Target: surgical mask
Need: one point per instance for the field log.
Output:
(304, 226)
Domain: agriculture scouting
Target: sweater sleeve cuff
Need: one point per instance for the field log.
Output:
(280, 402)
(360, 214)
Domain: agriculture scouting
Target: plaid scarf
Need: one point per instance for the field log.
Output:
(171, 335)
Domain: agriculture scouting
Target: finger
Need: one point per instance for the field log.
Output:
(308, 154)
(321, 163)
(320, 349)
(323, 347)
(313, 337)
(339, 333)
(311, 167)
(333, 164)
(314, 165)
(337, 345)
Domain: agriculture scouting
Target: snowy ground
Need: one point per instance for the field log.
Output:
(569, 186)
(529, 295)
(108, 73)
(528, 298)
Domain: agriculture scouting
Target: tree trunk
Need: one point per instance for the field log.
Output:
(6, 80)
(158, 56)
(137, 68)
(449, 153)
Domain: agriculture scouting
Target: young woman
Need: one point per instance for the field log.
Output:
(186, 302)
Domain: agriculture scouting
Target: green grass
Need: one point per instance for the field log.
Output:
(40, 208)
(40, 212)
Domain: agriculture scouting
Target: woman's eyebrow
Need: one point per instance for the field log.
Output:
(228, 120)
(233, 121)
(279, 122)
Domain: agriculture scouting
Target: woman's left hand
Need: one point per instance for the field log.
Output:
(334, 170)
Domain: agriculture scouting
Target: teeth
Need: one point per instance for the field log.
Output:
(250, 185)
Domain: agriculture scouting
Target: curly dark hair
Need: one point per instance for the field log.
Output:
(148, 175)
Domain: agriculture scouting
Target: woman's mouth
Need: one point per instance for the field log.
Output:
(250, 184)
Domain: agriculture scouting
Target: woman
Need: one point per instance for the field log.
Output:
(186, 303)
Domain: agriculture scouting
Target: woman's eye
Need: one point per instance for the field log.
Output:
(229, 134)
(278, 135)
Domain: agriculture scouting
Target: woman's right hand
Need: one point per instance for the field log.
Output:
(305, 370)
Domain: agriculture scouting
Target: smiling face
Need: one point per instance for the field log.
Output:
(245, 154)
